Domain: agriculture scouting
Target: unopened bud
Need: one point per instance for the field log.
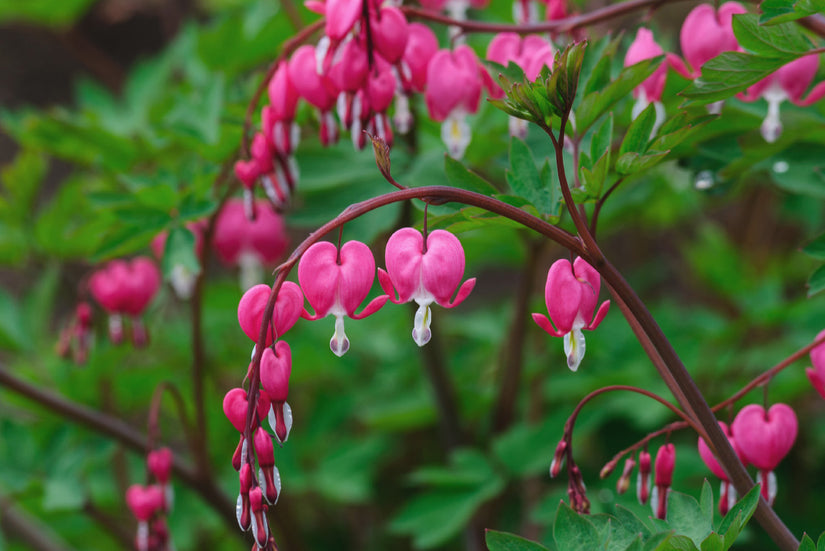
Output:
(558, 459)
(623, 484)
(607, 470)
(260, 528)
(643, 479)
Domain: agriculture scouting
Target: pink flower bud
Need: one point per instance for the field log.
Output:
(235, 408)
(242, 507)
(665, 462)
(283, 97)
(266, 460)
(571, 294)
(288, 308)
(260, 528)
(643, 479)
(558, 458)
(623, 484)
(276, 367)
(144, 501)
(318, 90)
(425, 275)
(159, 463)
(336, 283)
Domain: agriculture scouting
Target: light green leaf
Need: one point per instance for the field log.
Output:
(572, 531)
(738, 516)
(781, 11)
(714, 542)
(686, 516)
(461, 177)
(807, 544)
(524, 179)
(638, 133)
(816, 283)
(784, 40)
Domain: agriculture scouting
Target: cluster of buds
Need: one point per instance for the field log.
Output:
(151, 504)
(706, 33)
(571, 294)
(125, 288)
(75, 338)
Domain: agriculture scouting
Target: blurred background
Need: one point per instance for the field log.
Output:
(117, 116)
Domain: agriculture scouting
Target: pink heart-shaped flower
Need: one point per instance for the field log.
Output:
(708, 457)
(390, 32)
(235, 407)
(288, 308)
(144, 501)
(159, 463)
(764, 438)
(276, 368)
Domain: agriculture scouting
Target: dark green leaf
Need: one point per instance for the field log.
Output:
(820, 544)
(816, 283)
(572, 531)
(630, 521)
(738, 516)
(503, 541)
(785, 40)
(816, 248)
(706, 503)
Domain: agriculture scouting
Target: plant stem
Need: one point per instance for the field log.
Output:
(123, 433)
(22, 526)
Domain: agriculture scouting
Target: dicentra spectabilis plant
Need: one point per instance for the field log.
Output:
(579, 149)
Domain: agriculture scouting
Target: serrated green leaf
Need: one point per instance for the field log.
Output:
(781, 11)
(816, 283)
(635, 545)
(784, 40)
(572, 531)
(685, 515)
(656, 541)
(598, 60)
(511, 73)
(461, 177)
(524, 179)
(597, 103)
(677, 543)
(503, 541)
(729, 73)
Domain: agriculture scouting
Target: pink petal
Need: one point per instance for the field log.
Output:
(276, 367)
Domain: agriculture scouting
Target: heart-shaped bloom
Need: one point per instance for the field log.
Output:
(336, 283)
(764, 439)
(727, 494)
(389, 32)
(249, 244)
(651, 89)
(288, 308)
(571, 294)
(663, 477)
(788, 83)
(144, 501)
(425, 274)
(420, 49)
(706, 33)
(816, 374)
(453, 91)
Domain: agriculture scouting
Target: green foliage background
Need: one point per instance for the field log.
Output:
(365, 467)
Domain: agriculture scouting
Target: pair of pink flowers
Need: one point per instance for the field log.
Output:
(150, 504)
(336, 282)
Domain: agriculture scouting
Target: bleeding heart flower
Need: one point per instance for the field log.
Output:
(389, 32)
(265, 453)
(651, 89)
(288, 308)
(665, 462)
(817, 374)
(276, 367)
(260, 526)
(159, 463)
(571, 294)
(336, 283)
(787, 83)
(425, 274)
(705, 34)
(727, 494)
(420, 49)
(764, 439)
(144, 501)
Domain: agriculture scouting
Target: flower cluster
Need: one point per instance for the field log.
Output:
(706, 33)
(335, 281)
(151, 503)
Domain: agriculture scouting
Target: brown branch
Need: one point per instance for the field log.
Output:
(24, 527)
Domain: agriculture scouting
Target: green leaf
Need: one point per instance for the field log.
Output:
(784, 40)
(572, 531)
(461, 177)
(524, 179)
(686, 516)
(714, 542)
(564, 79)
(12, 328)
(597, 103)
(807, 544)
(635, 545)
(511, 73)
(503, 541)
(630, 521)
(523, 450)
(43, 12)
(639, 132)
(816, 283)
(706, 502)
(729, 73)
(820, 544)
(678, 129)
(780, 11)
(598, 59)
(677, 543)
(738, 516)
(816, 248)
(21, 180)
(630, 163)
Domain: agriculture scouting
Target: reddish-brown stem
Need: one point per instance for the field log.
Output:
(153, 424)
(755, 382)
(123, 433)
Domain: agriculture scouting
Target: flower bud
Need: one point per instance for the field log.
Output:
(623, 484)
(643, 479)
(558, 459)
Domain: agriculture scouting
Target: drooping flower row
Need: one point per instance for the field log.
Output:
(150, 504)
